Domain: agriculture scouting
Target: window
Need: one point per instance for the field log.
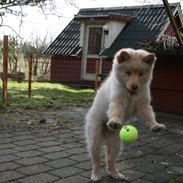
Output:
(94, 40)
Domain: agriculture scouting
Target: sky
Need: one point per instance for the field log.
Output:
(36, 24)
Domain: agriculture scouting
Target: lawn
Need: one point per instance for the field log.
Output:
(45, 95)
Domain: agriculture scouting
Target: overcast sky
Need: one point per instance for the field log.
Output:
(37, 24)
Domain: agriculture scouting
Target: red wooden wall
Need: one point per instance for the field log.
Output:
(167, 84)
(65, 69)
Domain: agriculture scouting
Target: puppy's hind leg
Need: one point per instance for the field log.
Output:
(113, 148)
(94, 142)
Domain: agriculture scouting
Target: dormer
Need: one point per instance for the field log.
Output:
(109, 26)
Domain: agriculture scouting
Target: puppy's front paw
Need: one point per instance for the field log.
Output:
(158, 127)
(118, 176)
(96, 177)
(113, 125)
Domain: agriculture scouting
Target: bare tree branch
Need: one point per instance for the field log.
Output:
(16, 33)
(16, 7)
(46, 6)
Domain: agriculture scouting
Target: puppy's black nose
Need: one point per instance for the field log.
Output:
(134, 87)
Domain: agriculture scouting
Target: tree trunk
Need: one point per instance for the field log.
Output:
(35, 67)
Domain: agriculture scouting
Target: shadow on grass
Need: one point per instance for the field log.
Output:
(44, 97)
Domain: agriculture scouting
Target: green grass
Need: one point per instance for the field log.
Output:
(45, 95)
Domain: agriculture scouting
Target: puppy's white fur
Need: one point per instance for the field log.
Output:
(124, 94)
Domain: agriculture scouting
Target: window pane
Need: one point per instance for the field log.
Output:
(94, 40)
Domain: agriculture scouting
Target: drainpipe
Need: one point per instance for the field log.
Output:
(172, 22)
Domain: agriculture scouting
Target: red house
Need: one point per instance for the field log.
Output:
(97, 33)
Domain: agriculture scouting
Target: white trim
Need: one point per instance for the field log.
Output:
(82, 30)
(180, 13)
(84, 75)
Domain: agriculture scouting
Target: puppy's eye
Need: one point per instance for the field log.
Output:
(128, 73)
(140, 73)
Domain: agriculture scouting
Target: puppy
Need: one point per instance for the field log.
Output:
(124, 94)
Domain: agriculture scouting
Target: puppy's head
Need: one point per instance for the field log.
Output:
(133, 68)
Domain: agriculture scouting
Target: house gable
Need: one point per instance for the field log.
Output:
(148, 22)
(168, 31)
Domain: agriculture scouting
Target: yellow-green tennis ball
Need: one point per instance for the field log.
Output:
(128, 134)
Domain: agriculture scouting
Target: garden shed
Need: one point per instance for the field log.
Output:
(97, 33)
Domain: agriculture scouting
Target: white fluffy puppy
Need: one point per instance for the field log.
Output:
(125, 93)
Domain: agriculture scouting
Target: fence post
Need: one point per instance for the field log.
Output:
(30, 76)
(5, 70)
(97, 69)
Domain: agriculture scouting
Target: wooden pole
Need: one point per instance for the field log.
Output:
(5, 70)
(30, 76)
(172, 22)
(97, 69)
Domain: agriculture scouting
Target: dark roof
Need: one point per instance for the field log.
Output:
(67, 42)
(111, 16)
(148, 22)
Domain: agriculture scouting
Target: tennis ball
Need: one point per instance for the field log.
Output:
(128, 134)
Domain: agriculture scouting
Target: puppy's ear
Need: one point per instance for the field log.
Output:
(122, 56)
(149, 59)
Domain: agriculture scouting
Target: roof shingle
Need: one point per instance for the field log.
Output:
(148, 22)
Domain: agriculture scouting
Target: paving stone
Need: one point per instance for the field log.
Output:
(39, 178)
(73, 179)
(19, 132)
(7, 146)
(86, 174)
(166, 151)
(67, 135)
(51, 149)
(56, 155)
(154, 157)
(84, 165)
(34, 169)
(162, 143)
(8, 158)
(178, 170)
(9, 175)
(77, 150)
(48, 143)
(124, 165)
(107, 179)
(158, 177)
(72, 145)
(7, 151)
(80, 157)
(136, 153)
(31, 161)
(27, 147)
(178, 146)
(66, 172)
(60, 155)
(149, 167)
(69, 140)
(5, 134)
(24, 137)
(24, 142)
(26, 154)
(179, 178)
(141, 181)
(6, 140)
(44, 139)
(132, 174)
(8, 166)
(59, 163)
(175, 160)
